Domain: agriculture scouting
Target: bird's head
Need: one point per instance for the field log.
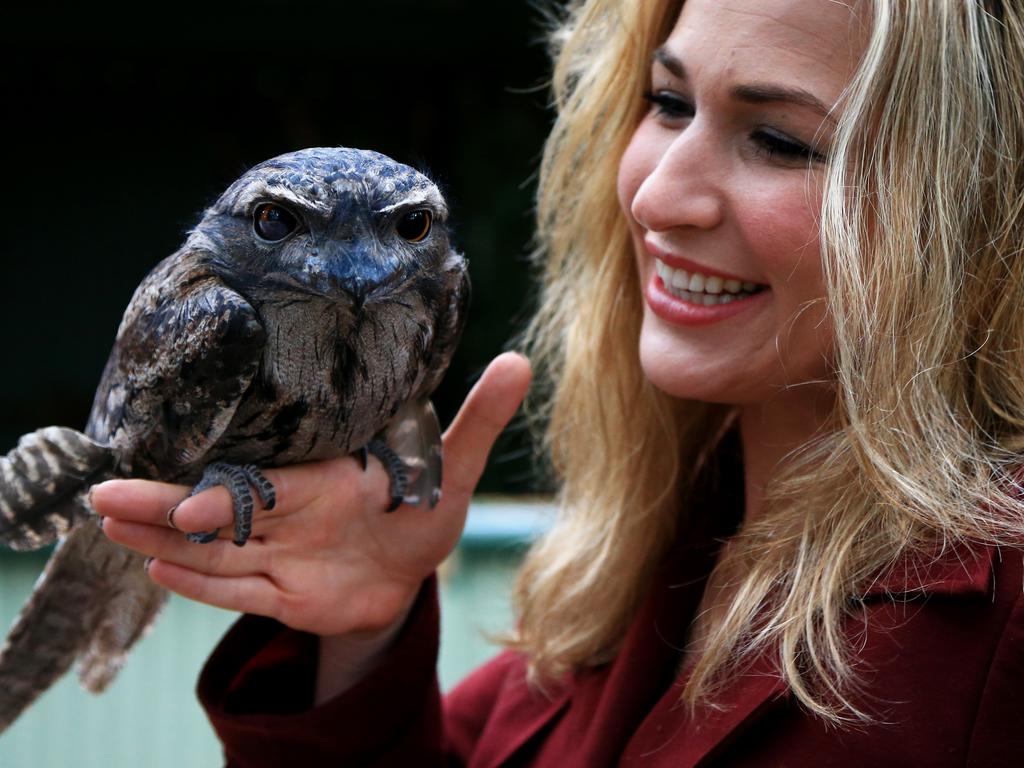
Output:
(344, 224)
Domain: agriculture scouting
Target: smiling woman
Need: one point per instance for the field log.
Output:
(855, 169)
(780, 349)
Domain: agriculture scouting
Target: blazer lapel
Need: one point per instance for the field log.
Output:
(756, 692)
(520, 713)
(670, 736)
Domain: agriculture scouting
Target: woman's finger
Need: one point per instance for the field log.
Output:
(211, 509)
(296, 487)
(220, 557)
(246, 594)
(160, 504)
(489, 407)
(141, 501)
(167, 506)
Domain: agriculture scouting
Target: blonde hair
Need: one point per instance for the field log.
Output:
(921, 239)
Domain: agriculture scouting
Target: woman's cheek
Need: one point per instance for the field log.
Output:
(627, 182)
(782, 230)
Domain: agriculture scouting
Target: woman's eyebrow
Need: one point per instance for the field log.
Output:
(756, 93)
(670, 62)
(759, 93)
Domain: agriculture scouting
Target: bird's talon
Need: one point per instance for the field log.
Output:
(238, 481)
(395, 467)
(202, 537)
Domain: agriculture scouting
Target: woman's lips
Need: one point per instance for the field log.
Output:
(678, 262)
(682, 312)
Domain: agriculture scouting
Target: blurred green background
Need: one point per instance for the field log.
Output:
(123, 123)
(150, 717)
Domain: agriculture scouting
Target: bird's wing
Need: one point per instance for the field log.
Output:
(450, 320)
(415, 432)
(186, 352)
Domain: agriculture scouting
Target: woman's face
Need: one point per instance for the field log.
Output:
(721, 184)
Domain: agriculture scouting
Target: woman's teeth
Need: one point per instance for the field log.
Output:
(699, 288)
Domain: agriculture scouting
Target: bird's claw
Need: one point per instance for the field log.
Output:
(237, 479)
(398, 472)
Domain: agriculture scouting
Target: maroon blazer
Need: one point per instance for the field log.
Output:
(941, 659)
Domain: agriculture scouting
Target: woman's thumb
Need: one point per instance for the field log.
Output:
(488, 408)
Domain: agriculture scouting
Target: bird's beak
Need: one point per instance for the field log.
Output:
(355, 270)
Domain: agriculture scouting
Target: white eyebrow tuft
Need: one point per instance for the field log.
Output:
(262, 191)
(429, 196)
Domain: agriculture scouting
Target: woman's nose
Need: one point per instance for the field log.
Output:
(683, 188)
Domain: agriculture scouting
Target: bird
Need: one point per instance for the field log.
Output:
(309, 315)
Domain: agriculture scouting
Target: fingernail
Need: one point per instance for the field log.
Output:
(147, 563)
(100, 520)
(170, 517)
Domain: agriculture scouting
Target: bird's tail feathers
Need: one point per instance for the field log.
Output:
(43, 485)
(55, 624)
(129, 614)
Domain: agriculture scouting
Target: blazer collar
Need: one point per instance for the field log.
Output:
(958, 570)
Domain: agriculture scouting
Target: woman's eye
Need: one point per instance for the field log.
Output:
(414, 226)
(272, 222)
(775, 146)
(669, 104)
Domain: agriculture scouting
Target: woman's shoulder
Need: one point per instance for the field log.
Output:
(939, 661)
(997, 720)
(948, 630)
(962, 568)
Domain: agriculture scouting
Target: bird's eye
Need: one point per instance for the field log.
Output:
(272, 222)
(414, 225)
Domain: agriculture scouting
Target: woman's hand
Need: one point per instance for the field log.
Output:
(327, 559)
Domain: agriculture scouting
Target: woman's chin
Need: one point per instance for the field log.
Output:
(690, 374)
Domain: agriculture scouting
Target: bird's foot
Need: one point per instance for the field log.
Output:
(398, 472)
(238, 481)
(410, 449)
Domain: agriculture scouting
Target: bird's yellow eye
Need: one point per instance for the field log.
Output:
(414, 226)
(272, 222)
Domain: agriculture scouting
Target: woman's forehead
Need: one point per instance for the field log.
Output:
(815, 41)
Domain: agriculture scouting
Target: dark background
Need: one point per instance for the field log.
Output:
(122, 124)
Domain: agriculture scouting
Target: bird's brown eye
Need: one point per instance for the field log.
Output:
(272, 222)
(414, 226)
